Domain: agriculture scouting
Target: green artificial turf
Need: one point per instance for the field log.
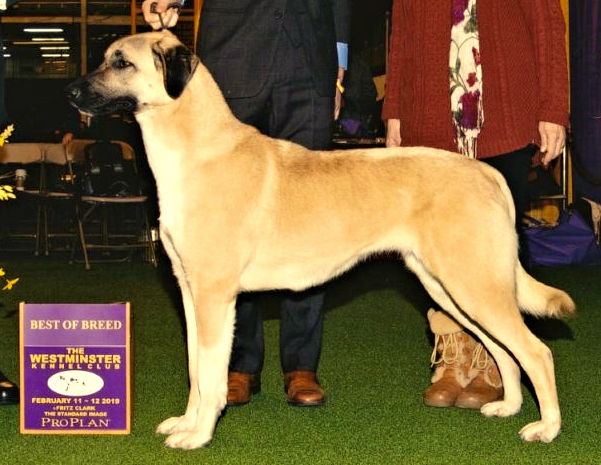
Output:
(374, 368)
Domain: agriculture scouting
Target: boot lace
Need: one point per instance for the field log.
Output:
(449, 349)
(480, 358)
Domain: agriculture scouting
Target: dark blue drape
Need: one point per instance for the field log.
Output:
(585, 69)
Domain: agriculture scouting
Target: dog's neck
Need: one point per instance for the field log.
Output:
(202, 101)
(200, 116)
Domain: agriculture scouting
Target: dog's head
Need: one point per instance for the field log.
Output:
(139, 72)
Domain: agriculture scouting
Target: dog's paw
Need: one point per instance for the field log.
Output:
(540, 431)
(187, 440)
(500, 408)
(176, 425)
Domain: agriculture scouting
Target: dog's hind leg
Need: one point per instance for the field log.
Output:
(495, 318)
(500, 329)
(536, 360)
(510, 371)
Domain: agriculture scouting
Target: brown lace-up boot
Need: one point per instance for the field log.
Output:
(486, 385)
(451, 358)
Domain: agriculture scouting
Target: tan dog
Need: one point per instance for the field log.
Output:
(241, 211)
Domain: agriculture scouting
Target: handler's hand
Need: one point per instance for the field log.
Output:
(553, 139)
(169, 15)
(393, 133)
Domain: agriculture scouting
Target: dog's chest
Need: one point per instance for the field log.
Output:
(165, 165)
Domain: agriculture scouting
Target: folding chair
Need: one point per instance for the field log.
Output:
(20, 219)
(111, 209)
(58, 197)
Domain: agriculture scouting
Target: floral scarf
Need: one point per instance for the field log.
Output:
(465, 76)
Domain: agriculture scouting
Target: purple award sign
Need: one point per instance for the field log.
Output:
(75, 368)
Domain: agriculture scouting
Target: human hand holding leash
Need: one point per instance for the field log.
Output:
(161, 14)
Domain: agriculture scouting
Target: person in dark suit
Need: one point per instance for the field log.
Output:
(277, 63)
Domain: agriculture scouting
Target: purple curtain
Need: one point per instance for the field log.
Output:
(585, 69)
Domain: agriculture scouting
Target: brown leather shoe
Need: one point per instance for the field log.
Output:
(478, 393)
(241, 387)
(302, 388)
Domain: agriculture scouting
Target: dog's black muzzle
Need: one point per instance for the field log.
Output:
(74, 92)
(83, 96)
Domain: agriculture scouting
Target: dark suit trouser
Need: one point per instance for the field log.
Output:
(288, 107)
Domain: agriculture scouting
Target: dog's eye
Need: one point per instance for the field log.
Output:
(121, 64)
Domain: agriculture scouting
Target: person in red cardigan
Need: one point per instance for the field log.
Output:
(487, 79)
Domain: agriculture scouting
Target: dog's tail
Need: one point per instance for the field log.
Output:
(538, 299)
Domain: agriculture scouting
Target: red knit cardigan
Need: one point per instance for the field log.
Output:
(524, 72)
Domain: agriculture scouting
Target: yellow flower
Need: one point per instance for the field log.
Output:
(6, 134)
(10, 283)
(6, 192)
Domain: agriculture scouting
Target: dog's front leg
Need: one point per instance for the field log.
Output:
(187, 421)
(208, 389)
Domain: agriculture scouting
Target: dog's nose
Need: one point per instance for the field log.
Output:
(73, 91)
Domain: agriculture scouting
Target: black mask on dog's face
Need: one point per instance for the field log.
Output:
(111, 87)
(81, 94)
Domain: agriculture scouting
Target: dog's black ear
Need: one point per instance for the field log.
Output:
(178, 65)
